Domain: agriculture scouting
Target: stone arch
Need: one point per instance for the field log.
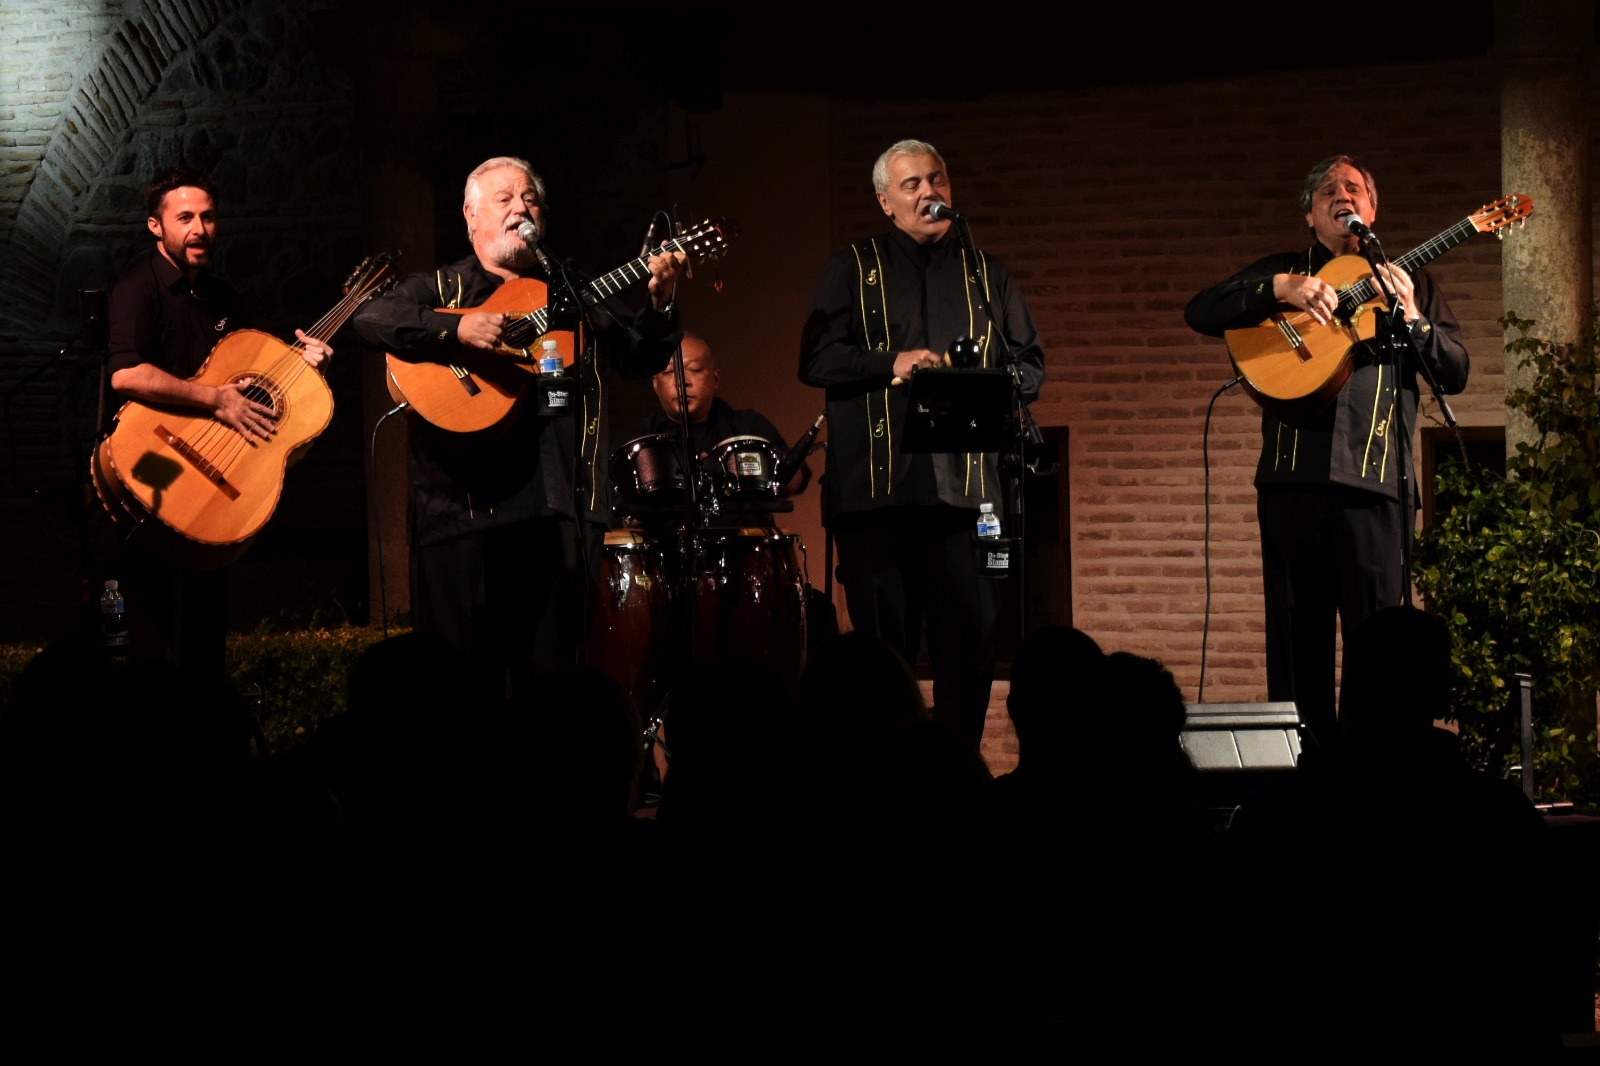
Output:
(94, 124)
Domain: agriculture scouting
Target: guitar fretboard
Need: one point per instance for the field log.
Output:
(530, 327)
(1424, 253)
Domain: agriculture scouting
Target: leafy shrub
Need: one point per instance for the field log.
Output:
(295, 679)
(1514, 567)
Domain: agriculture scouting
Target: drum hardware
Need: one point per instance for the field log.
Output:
(683, 584)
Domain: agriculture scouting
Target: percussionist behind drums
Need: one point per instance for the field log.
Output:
(733, 450)
(710, 577)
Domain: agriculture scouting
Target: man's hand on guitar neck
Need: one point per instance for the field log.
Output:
(1404, 291)
(665, 266)
(313, 349)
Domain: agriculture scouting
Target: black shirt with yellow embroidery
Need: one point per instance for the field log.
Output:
(890, 295)
(524, 467)
(1348, 442)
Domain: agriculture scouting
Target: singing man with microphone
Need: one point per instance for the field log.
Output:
(1335, 531)
(501, 520)
(903, 522)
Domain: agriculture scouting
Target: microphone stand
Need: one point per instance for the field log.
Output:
(568, 311)
(1015, 464)
(688, 546)
(1392, 348)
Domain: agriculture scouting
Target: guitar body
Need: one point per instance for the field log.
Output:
(477, 389)
(194, 485)
(1294, 366)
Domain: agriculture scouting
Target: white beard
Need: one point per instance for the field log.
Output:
(509, 252)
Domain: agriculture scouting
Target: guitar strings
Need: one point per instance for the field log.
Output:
(219, 444)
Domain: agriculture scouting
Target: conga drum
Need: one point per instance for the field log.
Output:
(749, 588)
(628, 630)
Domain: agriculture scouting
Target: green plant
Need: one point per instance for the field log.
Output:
(297, 678)
(1513, 565)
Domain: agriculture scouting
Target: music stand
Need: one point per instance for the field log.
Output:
(958, 411)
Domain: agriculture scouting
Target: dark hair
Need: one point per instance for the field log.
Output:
(177, 177)
(1308, 188)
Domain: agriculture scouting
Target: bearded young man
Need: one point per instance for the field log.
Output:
(164, 317)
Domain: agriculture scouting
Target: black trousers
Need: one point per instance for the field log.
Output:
(508, 599)
(176, 613)
(1329, 555)
(907, 571)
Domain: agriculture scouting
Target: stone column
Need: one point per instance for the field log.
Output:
(1546, 55)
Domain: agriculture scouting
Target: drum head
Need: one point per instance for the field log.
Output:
(648, 469)
(744, 468)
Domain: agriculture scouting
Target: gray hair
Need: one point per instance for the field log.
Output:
(880, 169)
(1320, 171)
(470, 196)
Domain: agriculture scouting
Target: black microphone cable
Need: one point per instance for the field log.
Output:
(1205, 462)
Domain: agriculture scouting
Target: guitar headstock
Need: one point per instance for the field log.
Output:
(709, 239)
(1502, 213)
(374, 274)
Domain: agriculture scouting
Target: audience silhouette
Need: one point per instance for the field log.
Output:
(1411, 875)
(832, 855)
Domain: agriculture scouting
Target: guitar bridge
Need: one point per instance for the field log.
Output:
(465, 378)
(1292, 336)
(185, 449)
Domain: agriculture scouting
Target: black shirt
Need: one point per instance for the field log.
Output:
(890, 295)
(1347, 442)
(528, 466)
(153, 316)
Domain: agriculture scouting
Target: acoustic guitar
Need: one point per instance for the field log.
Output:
(476, 389)
(1295, 366)
(191, 486)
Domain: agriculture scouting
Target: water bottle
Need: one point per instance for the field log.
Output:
(550, 359)
(114, 619)
(994, 551)
(988, 522)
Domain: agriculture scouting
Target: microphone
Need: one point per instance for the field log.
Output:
(940, 211)
(798, 453)
(529, 232)
(644, 245)
(1354, 224)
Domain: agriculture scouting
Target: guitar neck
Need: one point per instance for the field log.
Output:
(535, 325)
(368, 283)
(1421, 255)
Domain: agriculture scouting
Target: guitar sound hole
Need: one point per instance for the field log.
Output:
(263, 390)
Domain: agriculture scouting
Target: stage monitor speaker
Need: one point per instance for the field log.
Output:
(1238, 746)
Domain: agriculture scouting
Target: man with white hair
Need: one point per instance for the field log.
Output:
(904, 522)
(502, 520)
